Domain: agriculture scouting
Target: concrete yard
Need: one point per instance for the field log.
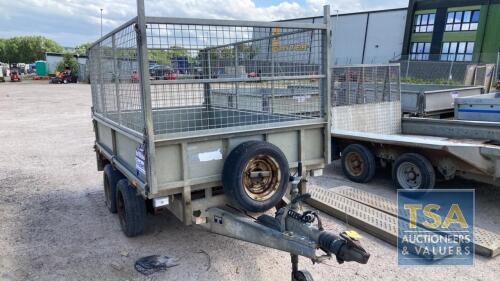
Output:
(54, 224)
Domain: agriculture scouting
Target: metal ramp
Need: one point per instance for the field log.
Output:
(378, 215)
(371, 220)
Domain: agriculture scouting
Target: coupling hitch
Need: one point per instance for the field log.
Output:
(307, 226)
(291, 230)
(346, 246)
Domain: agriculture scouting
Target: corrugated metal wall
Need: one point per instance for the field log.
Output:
(369, 37)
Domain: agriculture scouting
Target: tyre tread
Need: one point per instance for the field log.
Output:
(113, 176)
(135, 209)
(423, 163)
(367, 156)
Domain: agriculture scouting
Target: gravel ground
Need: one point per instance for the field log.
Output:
(54, 225)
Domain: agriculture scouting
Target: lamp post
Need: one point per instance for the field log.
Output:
(101, 22)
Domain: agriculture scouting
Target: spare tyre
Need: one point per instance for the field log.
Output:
(255, 176)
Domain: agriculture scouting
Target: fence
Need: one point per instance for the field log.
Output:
(436, 71)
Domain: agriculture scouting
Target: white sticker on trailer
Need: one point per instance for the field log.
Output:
(210, 156)
(139, 160)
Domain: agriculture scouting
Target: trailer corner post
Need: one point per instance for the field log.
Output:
(116, 76)
(327, 50)
(143, 63)
(101, 83)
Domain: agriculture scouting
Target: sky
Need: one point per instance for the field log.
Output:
(73, 22)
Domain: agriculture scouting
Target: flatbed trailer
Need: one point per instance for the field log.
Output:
(433, 100)
(418, 150)
(450, 155)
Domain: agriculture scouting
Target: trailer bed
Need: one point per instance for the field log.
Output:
(421, 141)
(470, 148)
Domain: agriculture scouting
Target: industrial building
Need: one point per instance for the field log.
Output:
(366, 37)
(453, 30)
(437, 30)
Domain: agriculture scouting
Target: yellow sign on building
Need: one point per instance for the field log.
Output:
(277, 47)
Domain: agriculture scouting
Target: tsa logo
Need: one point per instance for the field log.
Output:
(436, 227)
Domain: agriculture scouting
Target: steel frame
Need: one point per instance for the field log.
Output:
(149, 186)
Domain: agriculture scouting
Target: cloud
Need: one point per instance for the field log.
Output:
(72, 22)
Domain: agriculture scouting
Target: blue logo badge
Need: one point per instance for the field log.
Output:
(436, 227)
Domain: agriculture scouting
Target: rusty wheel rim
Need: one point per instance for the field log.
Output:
(261, 177)
(354, 163)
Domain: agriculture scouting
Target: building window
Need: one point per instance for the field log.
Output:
(462, 20)
(457, 51)
(424, 23)
(420, 51)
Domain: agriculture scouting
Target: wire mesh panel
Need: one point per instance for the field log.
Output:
(114, 78)
(366, 98)
(209, 76)
(365, 84)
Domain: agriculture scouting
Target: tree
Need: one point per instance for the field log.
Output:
(2, 49)
(165, 56)
(82, 49)
(68, 61)
(27, 49)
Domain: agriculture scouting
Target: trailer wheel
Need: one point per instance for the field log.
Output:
(131, 209)
(302, 275)
(255, 175)
(110, 179)
(358, 163)
(413, 171)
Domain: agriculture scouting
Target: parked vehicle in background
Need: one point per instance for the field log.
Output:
(135, 76)
(14, 75)
(162, 72)
(434, 100)
(64, 77)
(180, 64)
(170, 76)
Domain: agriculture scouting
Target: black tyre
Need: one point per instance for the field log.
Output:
(302, 275)
(412, 171)
(358, 163)
(255, 175)
(131, 209)
(110, 179)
